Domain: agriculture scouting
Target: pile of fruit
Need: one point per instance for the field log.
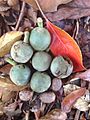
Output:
(34, 64)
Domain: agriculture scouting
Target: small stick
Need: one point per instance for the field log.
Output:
(20, 16)
(37, 115)
(27, 115)
(26, 37)
(41, 10)
(77, 115)
(10, 61)
(76, 31)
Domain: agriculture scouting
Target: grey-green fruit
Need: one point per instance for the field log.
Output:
(40, 38)
(21, 52)
(60, 67)
(40, 82)
(20, 74)
(41, 61)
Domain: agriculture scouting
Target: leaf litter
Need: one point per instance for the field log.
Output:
(15, 104)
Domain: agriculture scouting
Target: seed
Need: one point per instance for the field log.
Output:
(40, 82)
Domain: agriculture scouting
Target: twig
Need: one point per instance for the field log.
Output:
(76, 31)
(20, 16)
(77, 115)
(26, 115)
(89, 86)
(41, 10)
(37, 115)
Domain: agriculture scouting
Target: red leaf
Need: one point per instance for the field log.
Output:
(63, 44)
(70, 99)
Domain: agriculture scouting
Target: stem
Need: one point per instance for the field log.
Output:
(41, 10)
(40, 22)
(10, 61)
(26, 36)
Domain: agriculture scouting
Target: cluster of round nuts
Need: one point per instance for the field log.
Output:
(43, 66)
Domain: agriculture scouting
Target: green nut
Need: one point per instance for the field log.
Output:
(21, 52)
(60, 67)
(40, 38)
(41, 61)
(20, 74)
(40, 82)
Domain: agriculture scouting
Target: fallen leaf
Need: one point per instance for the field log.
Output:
(6, 83)
(1, 92)
(4, 7)
(6, 69)
(7, 40)
(83, 37)
(87, 96)
(55, 114)
(2, 1)
(1, 108)
(63, 44)
(82, 116)
(68, 88)
(12, 2)
(73, 10)
(8, 95)
(71, 98)
(11, 107)
(84, 75)
(47, 5)
(81, 104)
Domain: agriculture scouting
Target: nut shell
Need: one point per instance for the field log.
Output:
(40, 39)
(61, 67)
(41, 61)
(21, 52)
(40, 82)
(20, 74)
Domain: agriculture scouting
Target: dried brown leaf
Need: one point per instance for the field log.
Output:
(55, 114)
(6, 84)
(1, 92)
(8, 95)
(11, 107)
(84, 75)
(73, 10)
(7, 40)
(5, 69)
(12, 2)
(1, 108)
(71, 98)
(82, 103)
(69, 88)
(1, 1)
(4, 7)
(47, 5)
